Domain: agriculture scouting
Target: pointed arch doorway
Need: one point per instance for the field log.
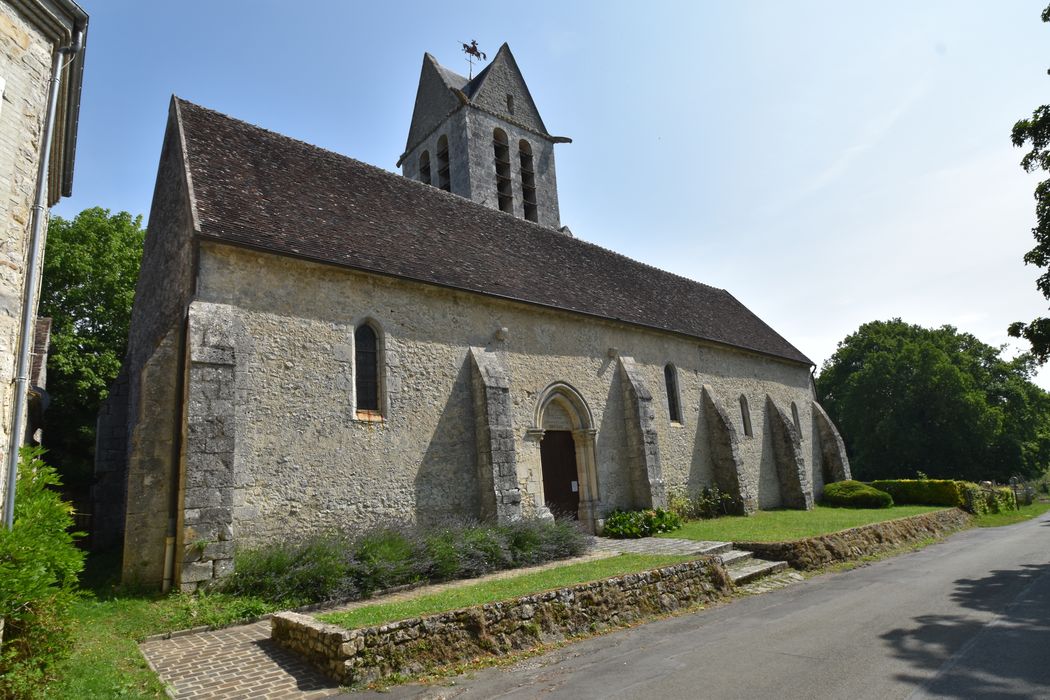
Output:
(564, 424)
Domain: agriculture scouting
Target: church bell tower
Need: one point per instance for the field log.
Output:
(483, 139)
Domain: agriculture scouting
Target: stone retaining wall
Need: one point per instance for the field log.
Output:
(410, 646)
(815, 552)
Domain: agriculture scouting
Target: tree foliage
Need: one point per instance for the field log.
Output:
(910, 399)
(91, 266)
(1035, 133)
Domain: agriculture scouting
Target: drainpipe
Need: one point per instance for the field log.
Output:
(29, 296)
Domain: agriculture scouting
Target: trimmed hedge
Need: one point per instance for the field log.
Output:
(854, 494)
(925, 492)
(981, 500)
(967, 495)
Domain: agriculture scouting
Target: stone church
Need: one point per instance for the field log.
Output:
(318, 343)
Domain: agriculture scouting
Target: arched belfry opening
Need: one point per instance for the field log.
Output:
(565, 426)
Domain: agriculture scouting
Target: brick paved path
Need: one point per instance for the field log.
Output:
(236, 662)
(242, 662)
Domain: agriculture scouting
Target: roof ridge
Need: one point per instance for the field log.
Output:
(362, 216)
(415, 183)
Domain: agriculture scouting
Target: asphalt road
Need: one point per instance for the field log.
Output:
(968, 617)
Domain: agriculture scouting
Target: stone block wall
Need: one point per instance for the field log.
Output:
(858, 542)
(25, 57)
(411, 646)
(205, 544)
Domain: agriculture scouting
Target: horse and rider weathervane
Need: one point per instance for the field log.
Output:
(473, 52)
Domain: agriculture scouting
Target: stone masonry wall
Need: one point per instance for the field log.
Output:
(109, 491)
(205, 545)
(411, 646)
(305, 461)
(643, 451)
(25, 66)
(795, 491)
(500, 495)
(833, 449)
(817, 552)
(152, 364)
(725, 453)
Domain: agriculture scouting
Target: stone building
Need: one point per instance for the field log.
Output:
(319, 343)
(35, 37)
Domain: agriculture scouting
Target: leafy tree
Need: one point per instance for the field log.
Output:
(910, 399)
(1036, 133)
(91, 265)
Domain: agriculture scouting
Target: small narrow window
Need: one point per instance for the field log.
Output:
(366, 368)
(424, 168)
(501, 151)
(745, 415)
(674, 408)
(528, 181)
(444, 180)
(794, 417)
(510, 104)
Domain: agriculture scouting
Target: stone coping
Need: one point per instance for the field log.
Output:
(855, 543)
(416, 644)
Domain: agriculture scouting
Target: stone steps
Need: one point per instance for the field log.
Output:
(744, 568)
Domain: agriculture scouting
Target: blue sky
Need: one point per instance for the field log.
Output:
(828, 163)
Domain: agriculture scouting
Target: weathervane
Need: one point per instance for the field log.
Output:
(473, 52)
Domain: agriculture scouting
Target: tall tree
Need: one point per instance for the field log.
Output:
(910, 399)
(1035, 132)
(91, 266)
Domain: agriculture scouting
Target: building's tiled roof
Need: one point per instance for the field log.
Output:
(256, 188)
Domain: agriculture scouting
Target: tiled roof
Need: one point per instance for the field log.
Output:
(257, 188)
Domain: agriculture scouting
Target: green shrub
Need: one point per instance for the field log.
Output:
(709, 502)
(854, 494)
(925, 492)
(980, 500)
(295, 573)
(335, 566)
(632, 524)
(39, 564)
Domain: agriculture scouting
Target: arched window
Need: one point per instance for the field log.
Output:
(424, 168)
(444, 180)
(794, 418)
(674, 407)
(366, 368)
(501, 151)
(745, 415)
(528, 181)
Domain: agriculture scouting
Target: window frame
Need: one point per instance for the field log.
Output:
(377, 414)
(674, 399)
(745, 416)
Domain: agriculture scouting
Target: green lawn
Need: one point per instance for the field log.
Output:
(1012, 516)
(500, 589)
(783, 525)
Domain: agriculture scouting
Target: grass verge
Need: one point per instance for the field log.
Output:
(500, 589)
(784, 525)
(109, 620)
(1011, 517)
